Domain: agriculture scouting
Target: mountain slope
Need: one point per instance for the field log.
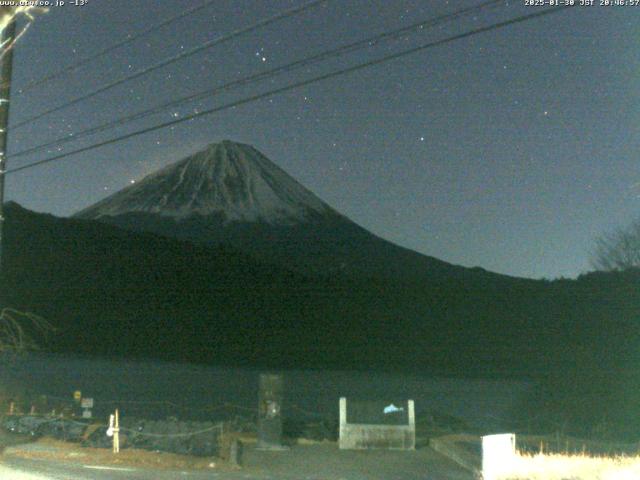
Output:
(232, 194)
(113, 292)
(231, 181)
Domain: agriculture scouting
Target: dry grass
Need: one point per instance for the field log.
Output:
(55, 450)
(571, 467)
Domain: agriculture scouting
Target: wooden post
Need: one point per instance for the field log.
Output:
(116, 433)
(235, 453)
(11, 408)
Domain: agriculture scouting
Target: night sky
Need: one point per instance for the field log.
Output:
(511, 149)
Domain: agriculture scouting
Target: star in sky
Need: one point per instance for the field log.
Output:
(479, 120)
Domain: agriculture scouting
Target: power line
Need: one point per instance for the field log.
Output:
(113, 47)
(211, 43)
(349, 48)
(293, 86)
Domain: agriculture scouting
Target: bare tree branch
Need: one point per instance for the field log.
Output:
(619, 250)
(17, 330)
(8, 14)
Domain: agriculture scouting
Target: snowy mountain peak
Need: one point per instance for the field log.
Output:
(226, 179)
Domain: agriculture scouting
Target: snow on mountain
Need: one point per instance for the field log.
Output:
(227, 179)
(231, 194)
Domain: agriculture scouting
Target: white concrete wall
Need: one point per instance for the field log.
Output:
(356, 436)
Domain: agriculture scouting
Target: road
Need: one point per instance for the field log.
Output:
(308, 462)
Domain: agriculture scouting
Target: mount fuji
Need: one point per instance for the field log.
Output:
(229, 181)
(230, 193)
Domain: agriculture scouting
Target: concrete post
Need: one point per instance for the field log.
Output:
(498, 455)
(270, 397)
(411, 413)
(342, 434)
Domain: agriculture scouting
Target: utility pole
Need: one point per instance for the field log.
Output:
(6, 65)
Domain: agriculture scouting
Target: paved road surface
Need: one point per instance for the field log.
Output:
(313, 462)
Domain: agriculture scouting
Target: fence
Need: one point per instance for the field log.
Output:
(189, 438)
(60, 417)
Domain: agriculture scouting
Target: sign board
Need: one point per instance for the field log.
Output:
(87, 414)
(77, 395)
(86, 403)
(378, 412)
